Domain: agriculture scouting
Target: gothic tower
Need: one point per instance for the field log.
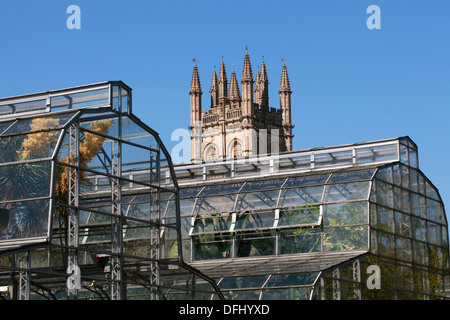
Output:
(239, 122)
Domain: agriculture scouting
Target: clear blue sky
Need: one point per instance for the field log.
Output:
(350, 84)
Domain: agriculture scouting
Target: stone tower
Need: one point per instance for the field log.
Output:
(239, 124)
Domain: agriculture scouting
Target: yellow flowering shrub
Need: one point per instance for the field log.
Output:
(37, 144)
(88, 150)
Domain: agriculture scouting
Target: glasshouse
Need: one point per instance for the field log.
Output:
(92, 208)
(356, 221)
(86, 211)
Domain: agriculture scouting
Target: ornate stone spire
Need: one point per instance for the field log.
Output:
(285, 86)
(214, 90)
(247, 70)
(222, 82)
(256, 89)
(233, 91)
(263, 86)
(247, 90)
(195, 82)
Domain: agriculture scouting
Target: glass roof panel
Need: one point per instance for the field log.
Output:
(190, 192)
(38, 124)
(348, 176)
(306, 181)
(263, 185)
(4, 126)
(221, 189)
(257, 200)
(133, 132)
(347, 191)
(215, 204)
(30, 146)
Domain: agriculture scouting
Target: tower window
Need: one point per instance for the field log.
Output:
(236, 151)
(211, 153)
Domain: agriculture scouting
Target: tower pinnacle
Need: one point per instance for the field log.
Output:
(195, 82)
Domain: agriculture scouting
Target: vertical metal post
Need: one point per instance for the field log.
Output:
(116, 219)
(336, 285)
(154, 228)
(24, 277)
(72, 221)
(357, 278)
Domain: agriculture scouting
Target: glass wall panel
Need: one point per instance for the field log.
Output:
(299, 216)
(377, 153)
(402, 224)
(403, 249)
(420, 253)
(300, 196)
(384, 194)
(212, 223)
(419, 229)
(434, 210)
(297, 279)
(386, 244)
(255, 220)
(287, 294)
(347, 191)
(418, 205)
(345, 238)
(242, 282)
(212, 246)
(300, 241)
(334, 158)
(25, 181)
(89, 98)
(385, 173)
(24, 219)
(345, 213)
(255, 244)
(385, 219)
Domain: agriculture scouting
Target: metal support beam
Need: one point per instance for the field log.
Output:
(154, 228)
(24, 276)
(336, 285)
(357, 279)
(73, 212)
(116, 219)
